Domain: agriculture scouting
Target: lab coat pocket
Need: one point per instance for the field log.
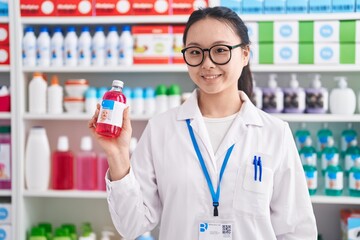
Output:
(253, 190)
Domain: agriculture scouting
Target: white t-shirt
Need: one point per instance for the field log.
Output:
(217, 129)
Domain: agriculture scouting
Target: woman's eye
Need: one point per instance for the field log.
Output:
(221, 50)
(194, 52)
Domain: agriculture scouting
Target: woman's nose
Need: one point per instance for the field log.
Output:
(207, 63)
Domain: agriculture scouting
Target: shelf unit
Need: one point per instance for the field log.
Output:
(32, 205)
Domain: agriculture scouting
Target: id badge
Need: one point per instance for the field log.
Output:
(216, 229)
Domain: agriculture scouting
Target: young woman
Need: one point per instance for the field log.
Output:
(216, 167)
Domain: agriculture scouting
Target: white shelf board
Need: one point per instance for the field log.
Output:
(4, 68)
(305, 68)
(181, 18)
(66, 194)
(4, 19)
(78, 116)
(5, 115)
(318, 199)
(5, 193)
(318, 117)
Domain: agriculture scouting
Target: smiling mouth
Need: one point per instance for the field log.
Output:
(210, 77)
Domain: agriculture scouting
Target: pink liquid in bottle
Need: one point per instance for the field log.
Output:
(101, 170)
(86, 166)
(110, 118)
(5, 157)
(62, 167)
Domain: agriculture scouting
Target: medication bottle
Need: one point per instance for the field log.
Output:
(86, 166)
(37, 94)
(301, 135)
(90, 100)
(126, 44)
(317, 97)
(71, 228)
(110, 118)
(5, 157)
(150, 104)
(61, 234)
(29, 47)
(102, 167)
(48, 229)
(161, 98)
(342, 99)
(112, 47)
(309, 156)
(70, 47)
(84, 48)
(273, 97)
(62, 168)
(334, 178)
(347, 136)
(55, 94)
(137, 101)
(174, 96)
(98, 47)
(329, 155)
(57, 48)
(257, 96)
(323, 136)
(351, 155)
(354, 179)
(308, 153)
(37, 233)
(294, 97)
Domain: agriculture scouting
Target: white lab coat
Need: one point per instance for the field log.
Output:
(166, 181)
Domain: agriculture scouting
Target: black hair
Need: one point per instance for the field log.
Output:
(225, 14)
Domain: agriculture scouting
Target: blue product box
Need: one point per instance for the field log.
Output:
(235, 5)
(320, 6)
(274, 6)
(343, 6)
(353, 228)
(297, 6)
(4, 8)
(253, 6)
(358, 5)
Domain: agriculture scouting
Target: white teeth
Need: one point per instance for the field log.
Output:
(211, 77)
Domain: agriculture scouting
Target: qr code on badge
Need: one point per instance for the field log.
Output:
(226, 229)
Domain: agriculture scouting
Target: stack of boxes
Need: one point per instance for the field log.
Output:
(4, 8)
(5, 221)
(4, 44)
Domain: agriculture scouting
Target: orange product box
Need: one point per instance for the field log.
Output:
(4, 33)
(177, 44)
(186, 7)
(152, 44)
(112, 7)
(4, 54)
(74, 8)
(37, 8)
(150, 7)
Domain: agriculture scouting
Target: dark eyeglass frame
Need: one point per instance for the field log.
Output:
(203, 50)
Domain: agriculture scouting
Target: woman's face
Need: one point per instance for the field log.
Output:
(210, 77)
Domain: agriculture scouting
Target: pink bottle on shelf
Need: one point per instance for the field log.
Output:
(86, 166)
(101, 169)
(5, 157)
(110, 118)
(62, 169)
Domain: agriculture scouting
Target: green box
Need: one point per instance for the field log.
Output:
(306, 32)
(347, 53)
(306, 53)
(266, 53)
(266, 32)
(347, 31)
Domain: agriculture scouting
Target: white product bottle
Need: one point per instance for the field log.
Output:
(90, 100)
(257, 95)
(342, 99)
(57, 48)
(273, 97)
(55, 96)
(161, 98)
(29, 47)
(112, 47)
(37, 160)
(98, 47)
(70, 47)
(174, 96)
(137, 101)
(128, 94)
(294, 97)
(105, 235)
(317, 97)
(37, 94)
(43, 43)
(126, 45)
(84, 47)
(149, 101)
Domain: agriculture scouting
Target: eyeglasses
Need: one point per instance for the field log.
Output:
(219, 54)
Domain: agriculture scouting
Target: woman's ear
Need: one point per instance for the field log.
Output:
(246, 55)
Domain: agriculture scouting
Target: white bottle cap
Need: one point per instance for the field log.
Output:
(330, 141)
(316, 83)
(272, 81)
(353, 143)
(294, 83)
(63, 144)
(308, 141)
(117, 83)
(342, 82)
(86, 143)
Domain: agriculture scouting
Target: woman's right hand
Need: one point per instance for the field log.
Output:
(116, 149)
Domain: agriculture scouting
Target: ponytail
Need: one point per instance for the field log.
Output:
(245, 82)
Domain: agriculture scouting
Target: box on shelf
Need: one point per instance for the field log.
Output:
(112, 7)
(297, 6)
(4, 8)
(319, 6)
(5, 213)
(235, 5)
(177, 45)
(74, 8)
(5, 232)
(358, 5)
(254, 54)
(274, 6)
(326, 31)
(253, 6)
(357, 31)
(253, 31)
(37, 8)
(347, 53)
(306, 31)
(266, 32)
(4, 54)
(286, 53)
(4, 33)
(347, 31)
(343, 5)
(350, 224)
(266, 53)
(306, 53)
(152, 44)
(150, 7)
(286, 31)
(326, 53)
(186, 7)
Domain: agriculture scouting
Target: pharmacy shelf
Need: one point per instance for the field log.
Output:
(77, 116)
(179, 19)
(66, 194)
(5, 193)
(4, 68)
(160, 68)
(318, 117)
(4, 19)
(335, 200)
(5, 115)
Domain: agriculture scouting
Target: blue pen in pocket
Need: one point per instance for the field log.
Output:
(257, 163)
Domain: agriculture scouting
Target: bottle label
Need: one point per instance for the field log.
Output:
(311, 179)
(328, 158)
(350, 161)
(334, 180)
(111, 112)
(5, 161)
(354, 181)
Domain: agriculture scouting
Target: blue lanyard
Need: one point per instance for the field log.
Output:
(215, 195)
